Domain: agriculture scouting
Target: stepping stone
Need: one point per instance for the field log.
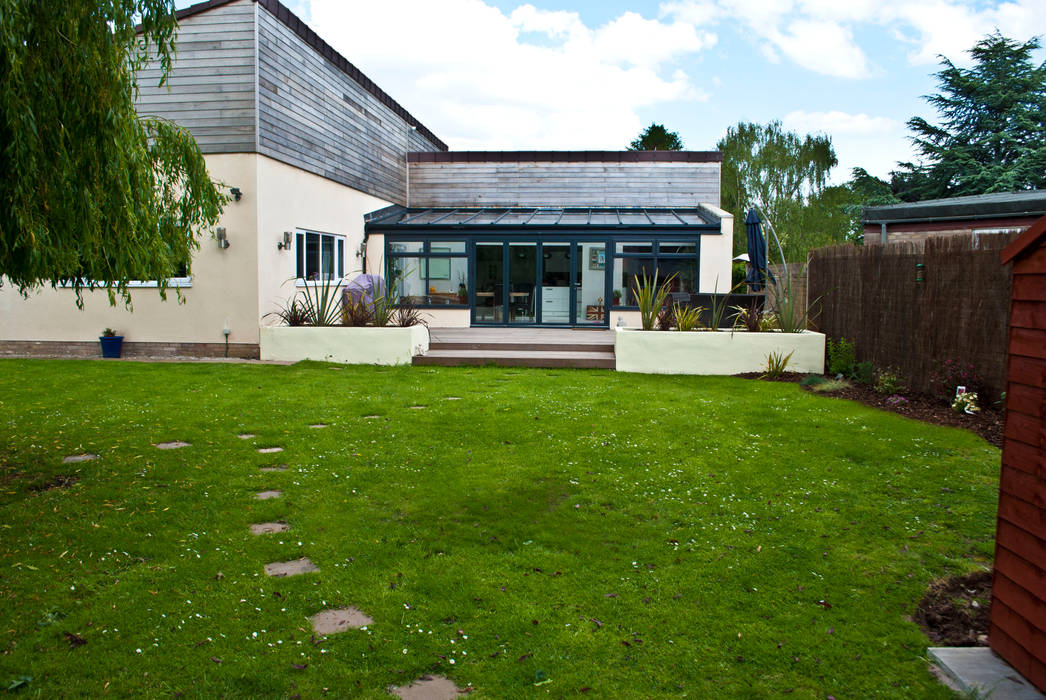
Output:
(339, 619)
(73, 459)
(269, 528)
(245, 436)
(266, 495)
(370, 417)
(418, 408)
(274, 468)
(176, 444)
(452, 398)
(269, 450)
(290, 568)
(428, 688)
(318, 425)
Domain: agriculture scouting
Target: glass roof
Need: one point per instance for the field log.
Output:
(401, 218)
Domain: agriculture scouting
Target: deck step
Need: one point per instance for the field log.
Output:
(517, 358)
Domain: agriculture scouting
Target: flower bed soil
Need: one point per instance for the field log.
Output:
(955, 611)
(989, 423)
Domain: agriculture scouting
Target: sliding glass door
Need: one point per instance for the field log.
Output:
(558, 283)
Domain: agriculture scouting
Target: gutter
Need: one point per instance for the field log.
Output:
(967, 217)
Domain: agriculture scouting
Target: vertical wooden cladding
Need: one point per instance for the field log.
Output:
(579, 183)
(211, 87)
(1018, 614)
(312, 115)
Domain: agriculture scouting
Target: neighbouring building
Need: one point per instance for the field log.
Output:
(974, 216)
(335, 178)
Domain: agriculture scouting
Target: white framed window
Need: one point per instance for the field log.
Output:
(319, 256)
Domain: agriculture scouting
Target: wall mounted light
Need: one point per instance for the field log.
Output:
(223, 238)
(285, 244)
(236, 193)
(920, 272)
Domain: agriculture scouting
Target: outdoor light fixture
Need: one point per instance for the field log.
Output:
(920, 270)
(285, 244)
(223, 238)
(236, 193)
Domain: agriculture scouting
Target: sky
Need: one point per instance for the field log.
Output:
(592, 74)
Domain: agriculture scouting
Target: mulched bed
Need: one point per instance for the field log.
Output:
(954, 611)
(989, 423)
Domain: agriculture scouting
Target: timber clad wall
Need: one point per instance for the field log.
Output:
(314, 116)
(1018, 609)
(249, 76)
(211, 87)
(577, 183)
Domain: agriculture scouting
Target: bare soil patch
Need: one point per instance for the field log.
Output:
(61, 481)
(955, 611)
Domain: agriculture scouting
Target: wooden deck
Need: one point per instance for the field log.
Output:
(520, 347)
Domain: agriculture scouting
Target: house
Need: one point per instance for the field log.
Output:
(975, 215)
(331, 177)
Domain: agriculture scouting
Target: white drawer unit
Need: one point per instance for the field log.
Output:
(555, 304)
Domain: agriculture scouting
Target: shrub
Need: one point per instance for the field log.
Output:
(888, 381)
(687, 317)
(666, 318)
(776, 365)
(649, 299)
(793, 313)
(955, 373)
(407, 314)
(842, 357)
(830, 385)
(811, 380)
(864, 373)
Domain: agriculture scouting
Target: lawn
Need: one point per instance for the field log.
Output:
(598, 534)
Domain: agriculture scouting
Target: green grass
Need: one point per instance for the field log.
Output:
(639, 536)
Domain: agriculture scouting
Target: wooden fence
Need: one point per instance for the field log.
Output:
(912, 318)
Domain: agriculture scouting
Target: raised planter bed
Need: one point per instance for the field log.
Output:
(720, 352)
(363, 345)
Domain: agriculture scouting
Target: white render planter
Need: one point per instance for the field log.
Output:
(363, 345)
(719, 352)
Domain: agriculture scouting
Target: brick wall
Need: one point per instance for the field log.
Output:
(52, 348)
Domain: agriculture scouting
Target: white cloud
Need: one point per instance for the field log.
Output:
(819, 34)
(860, 140)
(530, 79)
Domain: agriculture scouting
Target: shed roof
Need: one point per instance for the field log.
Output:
(1025, 241)
(980, 206)
(397, 218)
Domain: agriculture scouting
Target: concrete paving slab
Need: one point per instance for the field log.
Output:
(317, 426)
(428, 688)
(74, 459)
(269, 528)
(269, 450)
(245, 436)
(273, 468)
(980, 670)
(266, 495)
(173, 445)
(290, 568)
(337, 620)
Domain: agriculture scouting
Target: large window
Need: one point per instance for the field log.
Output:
(659, 261)
(428, 273)
(320, 256)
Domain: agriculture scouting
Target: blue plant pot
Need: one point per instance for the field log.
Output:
(111, 345)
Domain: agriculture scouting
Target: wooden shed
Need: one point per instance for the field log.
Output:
(1018, 608)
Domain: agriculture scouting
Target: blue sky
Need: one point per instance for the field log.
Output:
(582, 74)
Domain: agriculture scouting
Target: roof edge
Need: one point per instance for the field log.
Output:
(565, 156)
(310, 37)
(1024, 241)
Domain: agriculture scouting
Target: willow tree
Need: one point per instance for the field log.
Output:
(91, 193)
(784, 174)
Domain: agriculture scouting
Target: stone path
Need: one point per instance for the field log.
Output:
(290, 568)
(340, 619)
(331, 620)
(427, 688)
(269, 528)
(174, 445)
(74, 459)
